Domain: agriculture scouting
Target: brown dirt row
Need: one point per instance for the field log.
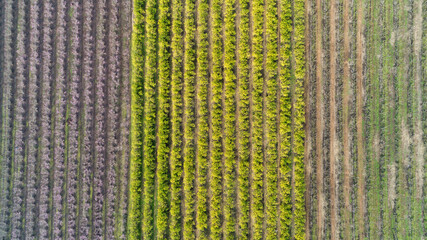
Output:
(359, 121)
(308, 140)
(419, 147)
(332, 124)
(319, 122)
(346, 128)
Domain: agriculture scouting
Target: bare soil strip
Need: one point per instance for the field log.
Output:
(403, 81)
(308, 130)
(389, 78)
(319, 122)
(359, 122)
(418, 148)
(332, 122)
(373, 106)
(346, 129)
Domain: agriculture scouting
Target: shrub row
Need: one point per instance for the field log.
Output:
(137, 129)
(164, 31)
(285, 208)
(150, 106)
(86, 156)
(202, 123)
(229, 119)
(216, 116)
(271, 154)
(176, 119)
(31, 122)
(72, 133)
(44, 143)
(58, 118)
(243, 121)
(299, 118)
(257, 118)
(189, 118)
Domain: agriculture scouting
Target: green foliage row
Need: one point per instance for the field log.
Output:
(271, 154)
(299, 118)
(137, 111)
(285, 119)
(164, 99)
(229, 119)
(216, 113)
(189, 118)
(203, 114)
(176, 119)
(257, 119)
(243, 122)
(150, 105)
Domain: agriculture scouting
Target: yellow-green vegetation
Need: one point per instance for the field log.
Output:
(299, 118)
(202, 123)
(222, 89)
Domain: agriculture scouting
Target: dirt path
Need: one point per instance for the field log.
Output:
(346, 129)
(389, 78)
(332, 123)
(308, 130)
(404, 80)
(319, 122)
(359, 122)
(419, 147)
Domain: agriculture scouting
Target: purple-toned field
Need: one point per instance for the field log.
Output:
(65, 115)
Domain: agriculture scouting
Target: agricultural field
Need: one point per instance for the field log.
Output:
(65, 118)
(217, 138)
(366, 119)
(213, 119)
